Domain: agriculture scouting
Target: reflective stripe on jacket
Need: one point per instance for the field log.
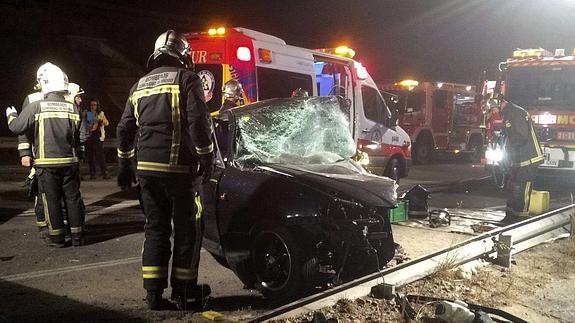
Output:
(56, 127)
(168, 111)
(522, 143)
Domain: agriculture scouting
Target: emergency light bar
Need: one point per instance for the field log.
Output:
(342, 51)
(409, 84)
(217, 31)
(531, 52)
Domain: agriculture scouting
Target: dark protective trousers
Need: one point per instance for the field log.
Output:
(520, 187)
(57, 184)
(95, 152)
(163, 200)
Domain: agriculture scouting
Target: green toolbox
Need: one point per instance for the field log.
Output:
(399, 214)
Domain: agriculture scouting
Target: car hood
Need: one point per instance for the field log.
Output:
(341, 181)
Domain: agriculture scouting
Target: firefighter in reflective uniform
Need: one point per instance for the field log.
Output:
(233, 95)
(167, 109)
(56, 126)
(27, 160)
(523, 153)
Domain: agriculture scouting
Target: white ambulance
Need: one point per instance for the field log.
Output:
(269, 68)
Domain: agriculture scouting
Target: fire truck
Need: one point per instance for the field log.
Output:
(267, 68)
(543, 83)
(439, 117)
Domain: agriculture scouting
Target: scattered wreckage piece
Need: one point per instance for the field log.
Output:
(526, 234)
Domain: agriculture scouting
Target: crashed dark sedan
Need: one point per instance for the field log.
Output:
(287, 206)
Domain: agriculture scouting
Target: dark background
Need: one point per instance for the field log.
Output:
(103, 45)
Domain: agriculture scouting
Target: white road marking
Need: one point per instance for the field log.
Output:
(58, 271)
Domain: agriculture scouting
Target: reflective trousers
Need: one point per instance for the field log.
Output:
(57, 184)
(519, 189)
(163, 200)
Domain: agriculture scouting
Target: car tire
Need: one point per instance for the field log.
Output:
(277, 261)
(423, 150)
(476, 148)
(393, 169)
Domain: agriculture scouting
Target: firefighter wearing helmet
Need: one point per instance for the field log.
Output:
(167, 109)
(27, 160)
(55, 127)
(523, 152)
(233, 95)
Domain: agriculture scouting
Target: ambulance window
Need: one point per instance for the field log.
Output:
(280, 84)
(374, 108)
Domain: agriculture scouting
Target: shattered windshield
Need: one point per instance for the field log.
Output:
(302, 131)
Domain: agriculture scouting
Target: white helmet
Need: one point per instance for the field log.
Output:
(52, 79)
(233, 90)
(73, 91)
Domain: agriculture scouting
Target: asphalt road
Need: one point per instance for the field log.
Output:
(101, 281)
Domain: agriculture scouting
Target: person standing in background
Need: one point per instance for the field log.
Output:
(97, 122)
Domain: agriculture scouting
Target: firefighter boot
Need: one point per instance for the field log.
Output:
(78, 239)
(155, 301)
(56, 241)
(43, 232)
(191, 298)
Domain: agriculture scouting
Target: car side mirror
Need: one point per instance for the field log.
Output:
(393, 119)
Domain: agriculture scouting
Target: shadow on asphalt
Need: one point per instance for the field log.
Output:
(118, 222)
(25, 304)
(16, 195)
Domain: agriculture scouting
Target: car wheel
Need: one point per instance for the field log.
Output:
(278, 263)
(393, 169)
(476, 148)
(423, 150)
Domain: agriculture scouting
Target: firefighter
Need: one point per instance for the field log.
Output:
(56, 125)
(523, 153)
(233, 95)
(27, 160)
(174, 138)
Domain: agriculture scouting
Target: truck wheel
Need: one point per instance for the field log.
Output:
(393, 169)
(423, 150)
(278, 264)
(476, 148)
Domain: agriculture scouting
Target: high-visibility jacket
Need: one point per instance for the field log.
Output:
(168, 111)
(522, 144)
(56, 124)
(25, 140)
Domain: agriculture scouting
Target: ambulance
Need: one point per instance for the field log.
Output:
(269, 68)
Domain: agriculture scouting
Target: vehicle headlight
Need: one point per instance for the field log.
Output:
(494, 155)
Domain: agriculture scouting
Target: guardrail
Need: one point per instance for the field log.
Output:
(498, 245)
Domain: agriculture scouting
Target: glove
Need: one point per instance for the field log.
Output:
(206, 167)
(10, 110)
(126, 174)
(32, 184)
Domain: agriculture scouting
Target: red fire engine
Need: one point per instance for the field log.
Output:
(439, 116)
(543, 83)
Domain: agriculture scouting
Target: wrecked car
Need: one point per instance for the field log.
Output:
(287, 206)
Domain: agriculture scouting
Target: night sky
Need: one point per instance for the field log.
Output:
(450, 40)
